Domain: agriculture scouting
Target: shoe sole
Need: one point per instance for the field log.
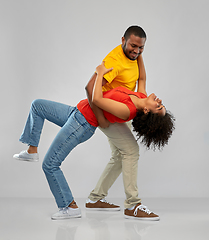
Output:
(26, 159)
(143, 218)
(103, 209)
(69, 217)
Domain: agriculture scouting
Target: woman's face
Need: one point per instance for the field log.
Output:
(154, 104)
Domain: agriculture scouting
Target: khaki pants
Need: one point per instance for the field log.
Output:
(125, 155)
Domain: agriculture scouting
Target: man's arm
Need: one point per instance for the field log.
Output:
(102, 121)
(142, 76)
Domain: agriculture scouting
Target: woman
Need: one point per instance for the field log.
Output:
(79, 123)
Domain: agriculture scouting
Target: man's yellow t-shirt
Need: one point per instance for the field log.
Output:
(125, 72)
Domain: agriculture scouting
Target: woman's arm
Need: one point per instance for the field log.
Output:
(102, 121)
(142, 76)
(116, 108)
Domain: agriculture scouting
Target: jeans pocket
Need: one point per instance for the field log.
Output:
(86, 129)
(79, 118)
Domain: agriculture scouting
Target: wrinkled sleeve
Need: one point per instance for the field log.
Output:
(110, 62)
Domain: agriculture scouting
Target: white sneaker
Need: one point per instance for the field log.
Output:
(66, 213)
(25, 156)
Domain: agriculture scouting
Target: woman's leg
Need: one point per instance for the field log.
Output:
(75, 131)
(40, 110)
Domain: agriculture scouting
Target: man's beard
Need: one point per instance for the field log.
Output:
(124, 47)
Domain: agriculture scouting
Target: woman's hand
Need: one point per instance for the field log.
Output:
(103, 123)
(101, 69)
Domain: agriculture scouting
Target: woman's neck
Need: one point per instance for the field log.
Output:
(138, 102)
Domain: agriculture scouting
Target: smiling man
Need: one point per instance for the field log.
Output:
(128, 69)
(123, 59)
(133, 46)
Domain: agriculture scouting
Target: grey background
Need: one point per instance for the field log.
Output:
(49, 49)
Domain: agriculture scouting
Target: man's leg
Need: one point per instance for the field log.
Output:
(125, 158)
(107, 178)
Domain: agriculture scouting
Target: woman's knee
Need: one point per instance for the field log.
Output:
(47, 166)
(51, 164)
(36, 103)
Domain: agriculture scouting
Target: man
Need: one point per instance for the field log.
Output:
(128, 68)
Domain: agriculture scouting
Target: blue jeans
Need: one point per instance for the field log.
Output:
(74, 130)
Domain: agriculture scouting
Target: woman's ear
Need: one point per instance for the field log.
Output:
(145, 110)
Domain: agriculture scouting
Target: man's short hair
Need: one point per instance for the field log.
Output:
(136, 31)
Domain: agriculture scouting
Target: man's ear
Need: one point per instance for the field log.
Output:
(123, 41)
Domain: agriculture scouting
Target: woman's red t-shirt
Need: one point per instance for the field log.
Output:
(119, 94)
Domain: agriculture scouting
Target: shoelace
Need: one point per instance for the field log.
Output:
(64, 210)
(142, 208)
(104, 200)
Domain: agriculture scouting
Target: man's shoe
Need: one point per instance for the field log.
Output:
(67, 213)
(101, 205)
(141, 212)
(25, 156)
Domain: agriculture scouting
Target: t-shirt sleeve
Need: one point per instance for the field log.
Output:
(111, 63)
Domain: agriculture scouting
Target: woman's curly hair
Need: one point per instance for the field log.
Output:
(153, 129)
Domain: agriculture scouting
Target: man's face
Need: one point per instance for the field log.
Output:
(133, 47)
